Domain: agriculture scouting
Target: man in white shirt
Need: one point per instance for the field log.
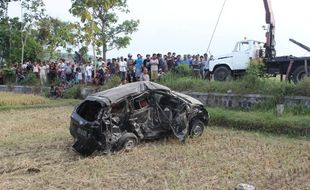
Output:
(88, 72)
(123, 69)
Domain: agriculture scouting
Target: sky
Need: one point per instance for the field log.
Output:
(186, 27)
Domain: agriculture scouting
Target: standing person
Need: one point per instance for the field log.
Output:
(79, 74)
(165, 64)
(154, 67)
(131, 76)
(206, 67)
(112, 67)
(123, 69)
(83, 70)
(145, 75)
(196, 66)
(88, 72)
(36, 69)
(146, 62)
(61, 67)
(139, 66)
(68, 71)
(53, 72)
(43, 70)
(170, 61)
(161, 65)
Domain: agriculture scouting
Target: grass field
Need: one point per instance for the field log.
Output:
(35, 154)
(11, 99)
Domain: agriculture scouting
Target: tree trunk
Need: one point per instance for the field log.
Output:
(24, 41)
(104, 46)
(104, 52)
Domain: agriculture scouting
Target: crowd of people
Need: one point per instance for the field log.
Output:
(97, 71)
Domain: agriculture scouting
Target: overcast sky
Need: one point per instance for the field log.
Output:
(184, 26)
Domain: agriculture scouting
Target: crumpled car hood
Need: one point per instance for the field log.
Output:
(189, 98)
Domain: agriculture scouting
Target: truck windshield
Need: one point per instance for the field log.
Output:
(242, 46)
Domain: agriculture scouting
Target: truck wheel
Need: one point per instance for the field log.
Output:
(196, 128)
(222, 73)
(299, 73)
(128, 141)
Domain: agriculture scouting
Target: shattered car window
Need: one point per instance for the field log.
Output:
(89, 110)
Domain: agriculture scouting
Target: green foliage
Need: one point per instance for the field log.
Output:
(249, 84)
(31, 79)
(8, 75)
(264, 121)
(33, 10)
(111, 83)
(72, 92)
(101, 27)
(54, 33)
(183, 70)
(303, 87)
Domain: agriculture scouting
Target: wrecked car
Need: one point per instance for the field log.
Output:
(119, 118)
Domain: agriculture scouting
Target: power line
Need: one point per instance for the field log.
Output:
(218, 20)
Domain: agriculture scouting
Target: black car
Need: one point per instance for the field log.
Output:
(121, 117)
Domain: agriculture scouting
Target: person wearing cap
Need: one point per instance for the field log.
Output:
(131, 76)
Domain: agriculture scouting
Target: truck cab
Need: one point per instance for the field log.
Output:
(235, 63)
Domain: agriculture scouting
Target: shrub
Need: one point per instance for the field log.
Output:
(73, 92)
(30, 79)
(303, 87)
(111, 82)
(8, 74)
(183, 70)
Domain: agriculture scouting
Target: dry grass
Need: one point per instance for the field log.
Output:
(11, 99)
(35, 154)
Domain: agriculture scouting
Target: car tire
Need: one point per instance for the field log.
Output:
(222, 73)
(196, 128)
(299, 73)
(128, 141)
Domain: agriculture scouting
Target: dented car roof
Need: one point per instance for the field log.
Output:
(117, 93)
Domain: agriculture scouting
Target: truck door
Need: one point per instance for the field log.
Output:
(241, 55)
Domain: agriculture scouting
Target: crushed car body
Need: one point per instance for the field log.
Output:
(122, 116)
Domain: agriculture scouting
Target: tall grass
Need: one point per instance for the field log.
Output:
(253, 82)
(11, 99)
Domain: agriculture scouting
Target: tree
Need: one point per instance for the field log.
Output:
(54, 33)
(10, 38)
(31, 11)
(101, 27)
(4, 7)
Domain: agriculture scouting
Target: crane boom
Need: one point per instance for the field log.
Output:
(300, 45)
(270, 34)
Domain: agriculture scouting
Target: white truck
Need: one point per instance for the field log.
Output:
(235, 63)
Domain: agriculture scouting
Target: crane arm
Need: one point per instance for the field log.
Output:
(270, 34)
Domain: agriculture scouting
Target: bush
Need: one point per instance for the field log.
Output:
(264, 121)
(303, 88)
(111, 82)
(8, 74)
(31, 79)
(183, 70)
(73, 92)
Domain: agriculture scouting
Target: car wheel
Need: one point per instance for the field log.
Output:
(128, 141)
(196, 128)
(299, 74)
(222, 73)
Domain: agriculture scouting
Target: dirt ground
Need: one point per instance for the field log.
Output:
(35, 154)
